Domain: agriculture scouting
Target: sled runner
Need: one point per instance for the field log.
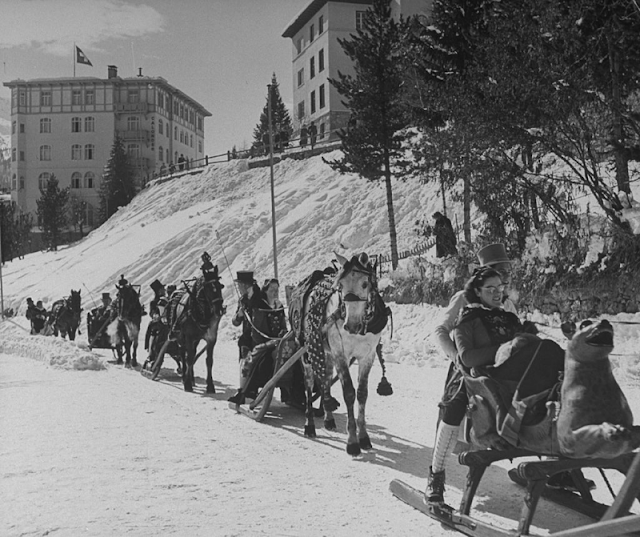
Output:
(613, 520)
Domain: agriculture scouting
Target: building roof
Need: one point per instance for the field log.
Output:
(308, 12)
(117, 80)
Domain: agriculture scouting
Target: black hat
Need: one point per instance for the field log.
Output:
(244, 276)
(29, 299)
(156, 285)
(122, 283)
(106, 296)
(207, 265)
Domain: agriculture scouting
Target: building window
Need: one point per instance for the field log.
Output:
(133, 95)
(301, 110)
(88, 152)
(14, 182)
(76, 96)
(76, 124)
(45, 152)
(299, 45)
(321, 60)
(191, 140)
(21, 182)
(133, 150)
(312, 33)
(89, 179)
(175, 158)
(43, 179)
(76, 180)
(89, 97)
(300, 77)
(45, 98)
(45, 125)
(160, 99)
(320, 24)
(22, 98)
(199, 146)
(168, 159)
(160, 153)
(175, 133)
(176, 108)
(322, 131)
(321, 96)
(14, 152)
(22, 156)
(76, 152)
(312, 99)
(312, 67)
(133, 123)
(21, 128)
(181, 136)
(160, 127)
(13, 127)
(89, 124)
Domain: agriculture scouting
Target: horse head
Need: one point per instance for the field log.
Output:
(74, 302)
(211, 290)
(355, 283)
(128, 303)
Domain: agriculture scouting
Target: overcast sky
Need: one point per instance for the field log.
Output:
(222, 53)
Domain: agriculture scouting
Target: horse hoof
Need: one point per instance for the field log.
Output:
(188, 389)
(211, 389)
(119, 362)
(134, 363)
(365, 443)
(330, 425)
(353, 449)
(309, 431)
(330, 404)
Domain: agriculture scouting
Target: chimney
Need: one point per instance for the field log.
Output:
(112, 71)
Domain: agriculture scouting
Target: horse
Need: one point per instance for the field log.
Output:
(124, 329)
(346, 324)
(194, 314)
(64, 318)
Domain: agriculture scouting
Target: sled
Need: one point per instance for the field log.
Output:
(612, 520)
(257, 408)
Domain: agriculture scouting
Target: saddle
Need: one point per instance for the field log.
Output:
(176, 310)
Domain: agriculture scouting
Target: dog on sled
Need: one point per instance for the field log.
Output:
(584, 421)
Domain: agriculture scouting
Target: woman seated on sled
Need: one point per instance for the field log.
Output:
(493, 342)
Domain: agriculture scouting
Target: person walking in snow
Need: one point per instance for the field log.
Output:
(445, 236)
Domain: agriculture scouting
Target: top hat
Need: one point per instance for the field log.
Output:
(244, 276)
(156, 285)
(106, 296)
(493, 254)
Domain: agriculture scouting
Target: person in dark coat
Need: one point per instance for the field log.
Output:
(38, 317)
(445, 236)
(247, 288)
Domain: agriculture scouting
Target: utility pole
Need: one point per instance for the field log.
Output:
(273, 200)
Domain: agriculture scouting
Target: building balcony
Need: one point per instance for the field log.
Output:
(139, 163)
(129, 108)
(137, 135)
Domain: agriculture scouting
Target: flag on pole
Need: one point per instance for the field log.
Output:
(81, 58)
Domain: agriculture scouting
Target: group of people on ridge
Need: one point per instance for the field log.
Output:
(478, 320)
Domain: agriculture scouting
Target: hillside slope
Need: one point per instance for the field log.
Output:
(225, 209)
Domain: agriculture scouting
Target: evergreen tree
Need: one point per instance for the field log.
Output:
(280, 120)
(7, 232)
(52, 211)
(77, 213)
(22, 224)
(371, 144)
(118, 181)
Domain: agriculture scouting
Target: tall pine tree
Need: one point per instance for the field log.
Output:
(280, 120)
(52, 211)
(118, 186)
(372, 141)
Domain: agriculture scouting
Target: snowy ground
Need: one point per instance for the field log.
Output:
(91, 448)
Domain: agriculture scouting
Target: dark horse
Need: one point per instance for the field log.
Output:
(346, 323)
(64, 318)
(125, 327)
(194, 314)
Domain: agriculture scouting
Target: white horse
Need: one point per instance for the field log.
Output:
(346, 324)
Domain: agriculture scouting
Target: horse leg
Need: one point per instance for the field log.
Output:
(127, 350)
(349, 394)
(187, 369)
(309, 426)
(134, 355)
(329, 403)
(364, 368)
(210, 386)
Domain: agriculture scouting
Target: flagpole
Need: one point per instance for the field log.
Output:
(74, 59)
